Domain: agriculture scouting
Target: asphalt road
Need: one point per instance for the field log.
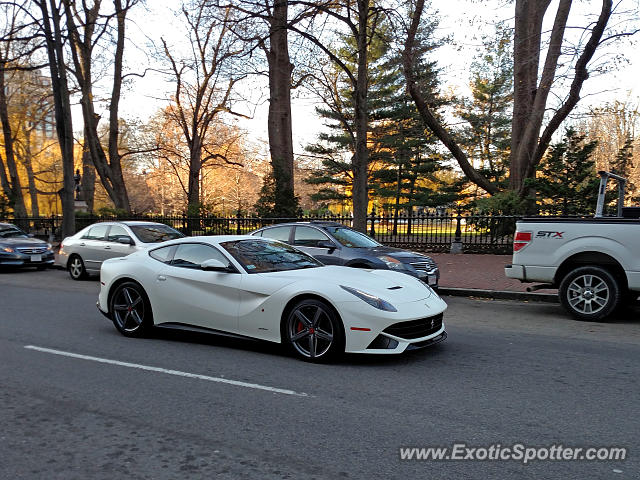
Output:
(509, 373)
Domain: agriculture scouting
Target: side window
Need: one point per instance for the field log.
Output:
(277, 233)
(191, 255)
(309, 237)
(161, 254)
(116, 232)
(96, 232)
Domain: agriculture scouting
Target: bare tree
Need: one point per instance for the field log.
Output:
(265, 25)
(204, 86)
(87, 26)
(11, 42)
(52, 31)
(531, 88)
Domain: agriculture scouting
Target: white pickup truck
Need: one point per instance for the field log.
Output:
(594, 262)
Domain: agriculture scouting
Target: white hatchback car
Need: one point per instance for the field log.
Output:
(82, 254)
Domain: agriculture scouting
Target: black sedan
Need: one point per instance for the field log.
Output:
(18, 249)
(334, 244)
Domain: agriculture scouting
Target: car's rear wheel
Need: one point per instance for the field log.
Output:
(76, 268)
(589, 293)
(130, 310)
(313, 331)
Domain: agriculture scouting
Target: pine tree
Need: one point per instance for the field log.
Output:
(403, 158)
(623, 166)
(567, 183)
(273, 203)
(487, 137)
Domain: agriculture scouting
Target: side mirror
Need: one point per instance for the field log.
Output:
(30, 235)
(326, 244)
(126, 240)
(213, 265)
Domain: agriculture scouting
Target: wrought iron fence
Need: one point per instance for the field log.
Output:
(435, 231)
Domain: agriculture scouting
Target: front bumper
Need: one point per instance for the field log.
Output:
(18, 259)
(102, 311)
(365, 326)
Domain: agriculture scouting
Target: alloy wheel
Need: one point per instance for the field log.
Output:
(588, 294)
(310, 330)
(76, 268)
(128, 309)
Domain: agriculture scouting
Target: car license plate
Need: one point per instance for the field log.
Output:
(432, 280)
(36, 258)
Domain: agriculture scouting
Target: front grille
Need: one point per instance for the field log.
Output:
(415, 328)
(31, 250)
(425, 266)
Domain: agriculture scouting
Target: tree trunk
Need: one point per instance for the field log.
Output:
(529, 15)
(121, 196)
(88, 180)
(27, 161)
(13, 189)
(64, 127)
(361, 158)
(530, 98)
(279, 120)
(195, 165)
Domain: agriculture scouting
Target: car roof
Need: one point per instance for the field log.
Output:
(7, 225)
(214, 239)
(317, 223)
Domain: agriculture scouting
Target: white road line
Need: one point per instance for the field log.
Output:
(169, 372)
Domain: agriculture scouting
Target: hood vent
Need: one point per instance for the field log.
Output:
(397, 287)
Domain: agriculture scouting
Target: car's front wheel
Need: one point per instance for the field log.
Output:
(313, 331)
(76, 268)
(590, 293)
(130, 310)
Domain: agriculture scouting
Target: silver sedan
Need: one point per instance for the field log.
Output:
(82, 254)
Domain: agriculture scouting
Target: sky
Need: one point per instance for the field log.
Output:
(463, 20)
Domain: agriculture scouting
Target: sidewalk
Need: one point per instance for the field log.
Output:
(483, 276)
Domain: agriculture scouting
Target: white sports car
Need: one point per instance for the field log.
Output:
(253, 287)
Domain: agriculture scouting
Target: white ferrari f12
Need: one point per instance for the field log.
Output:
(263, 289)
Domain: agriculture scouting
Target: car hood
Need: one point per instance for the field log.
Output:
(396, 253)
(391, 286)
(23, 242)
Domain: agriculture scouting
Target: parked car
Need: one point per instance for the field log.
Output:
(82, 254)
(20, 249)
(334, 244)
(246, 286)
(593, 262)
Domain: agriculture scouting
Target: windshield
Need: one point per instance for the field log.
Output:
(155, 233)
(351, 238)
(12, 232)
(260, 256)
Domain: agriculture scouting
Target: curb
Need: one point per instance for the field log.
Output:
(498, 294)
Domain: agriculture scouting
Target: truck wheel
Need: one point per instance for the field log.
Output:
(589, 293)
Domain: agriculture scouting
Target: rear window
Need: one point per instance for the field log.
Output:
(155, 233)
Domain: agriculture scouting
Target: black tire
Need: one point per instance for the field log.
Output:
(130, 310)
(590, 293)
(76, 269)
(312, 331)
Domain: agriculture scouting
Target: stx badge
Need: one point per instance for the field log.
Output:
(545, 234)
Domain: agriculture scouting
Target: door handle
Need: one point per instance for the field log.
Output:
(82, 244)
(162, 278)
(107, 247)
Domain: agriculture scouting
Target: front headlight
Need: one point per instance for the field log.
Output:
(392, 263)
(49, 246)
(372, 300)
(7, 249)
